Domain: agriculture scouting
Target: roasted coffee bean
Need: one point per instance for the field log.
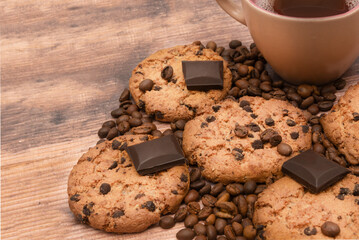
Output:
(105, 188)
(200, 229)
(251, 198)
(131, 108)
(167, 73)
(229, 232)
(265, 86)
(249, 187)
(181, 214)
(117, 112)
(122, 118)
(234, 92)
(223, 214)
(167, 132)
(146, 85)
(243, 50)
(223, 197)
(211, 45)
(205, 212)
(180, 124)
(234, 189)
(295, 97)
(249, 232)
(185, 234)
(313, 121)
(317, 137)
(102, 132)
(141, 130)
(227, 207)
(339, 84)
(242, 206)
(284, 149)
(234, 44)
(246, 222)
(135, 122)
(242, 84)
(192, 196)
(197, 184)
(112, 133)
(313, 109)
(328, 89)
(259, 65)
(206, 189)
(275, 140)
(219, 225)
(317, 128)
(318, 98)
(243, 70)
(217, 189)
(325, 106)
(254, 82)
(240, 131)
(125, 104)
(156, 133)
(136, 114)
(173, 126)
(211, 219)
(167, 222)
(195, 174)
(191, 220)
(178, 134)
(330, 229)
(260, 188)
(209, 200)
(254, 91)
(279, 94)
(269, 122)
(329, 97)
(267, 134)
(193, 207)
(109, 124)
(211, 232)
(123, 127)
(307, 102)
(236, 218)
(125, 95)
(304, 90)
(219, 50)
(237, 228)
(200, 237)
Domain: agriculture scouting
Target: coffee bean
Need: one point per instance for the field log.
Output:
(135, 122)
(242, 206)
(180, 124)
(102, 133)
(167, 73)
(217, 189)
(197, 184)
(122, 118)
(254, 82)
(234, 189)
(265, 86)
(131, 108)
(200, 229)
(240, 131)
(313, 121)
(105, 188)
(193, 207)
(195, 174)
(219, 50)
(117, 112)
(227, 207)
(167, 132)
(325, 106)
(267, 134)
(313, 109)
(236, 218)
(112, 133)
(246, 222)
(330, 229)
(125, 95)
(328, 89)
(136, 114)
(251, 198)
(284, 149)
(229, 233)
(234, 44)
(269, 122)
(259, 65)
(237, 228)
(185, 234)
(295, 97)
(167, 222)
(319, 148)
(249, 187)
(204, 212)
(178, 134)
(243, 70)
(318, 98)
(192, 196)
(146, 85)
(109, 124)
(219, 225)
(206, 189)
(242, 84)
(339, 84)
(181, 214)
(200, 237)
(243, 50)
(234, 92)
(329, 97)
(123, 127)
(209, 200)
(190, 220)
(249, 232)
(156, 133)
(254, 91)
(317, 128)
(307, 102)
(304, 90)
(275, 140)
(211, 45)
(211, 232)
(211, 219)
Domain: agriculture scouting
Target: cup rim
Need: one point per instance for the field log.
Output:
(315, 19)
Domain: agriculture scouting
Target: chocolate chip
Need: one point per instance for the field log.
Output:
(149, 205)
(105, 188)
(344, 191)
(290, 122)
(356, 190)
(305, 128)
(167, 222)
(123, 160)
(159, 115)
(204, 124)
(216, 108)
(355, 116)
(210, 119)
(118, 214)
(238, 155)
(257, 144)
(254, 127)
(275, 139)
(113, 165)
(87, 209)
(247, 109)
(240, 131)
(244, 103)
(310, 232)
(340, 196)
(75, 197)
(184, 177)
(116, 144)
(284, 149)
(167, 73)
(174, 192)
(330, 229)
(139, 196)
(146, 85)
(157, 88)
(269, 121)
(123, 146)
(294, 135)
(254, 116)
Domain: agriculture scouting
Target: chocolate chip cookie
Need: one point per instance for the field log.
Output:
(287, 211)
(157, 84)
(341, 125)
(250, 139)
(106, 192)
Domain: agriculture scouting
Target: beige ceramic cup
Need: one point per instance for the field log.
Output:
(301, 50)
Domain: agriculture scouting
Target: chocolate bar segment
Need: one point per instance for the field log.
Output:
(203, 75)
(313, 171)
(156, 155)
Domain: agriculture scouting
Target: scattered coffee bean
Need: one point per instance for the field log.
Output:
(304, 90)
(237, 228)
(167, 73)
(284, 149)
(125, 95)
(234, 44)
(191, 220)
(211, 232)
(200, 229)
(102, 133)
(229, 232)
(249, 187)
(167, 222)
(123, 127)
(328, 89)
(193, 207)
(307, 102)
(219, 225)
(185, 234)
(181, 214)
(249, 232)
(112, 133)
(205, 212)
(180, 124)
(339, 84)
(167, 132)
(217, 189)
(211, 45)
(330, 229)
(209, 200)
(192, 196)
(146, 85)
(325, 106)
(206, 189)
(211, 219)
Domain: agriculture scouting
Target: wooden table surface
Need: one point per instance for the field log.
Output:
(63, 66)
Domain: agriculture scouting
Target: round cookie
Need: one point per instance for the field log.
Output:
(211, 141)
(288, 211)
(106, 192)
(341, 125)
(170, 100)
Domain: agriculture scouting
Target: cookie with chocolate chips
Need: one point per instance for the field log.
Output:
(233, 146)
(341, 125)
(106, 192)
(288, 211)
(158, 83)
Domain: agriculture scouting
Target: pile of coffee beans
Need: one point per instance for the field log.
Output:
(217, 211)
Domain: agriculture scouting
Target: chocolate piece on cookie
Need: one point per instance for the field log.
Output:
(288, 211)
(106, 192)
(214, 144)
(341, 125)
(166, 96)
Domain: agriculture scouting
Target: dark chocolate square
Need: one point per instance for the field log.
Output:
(156, 155)
(313, 171)
(203, 75)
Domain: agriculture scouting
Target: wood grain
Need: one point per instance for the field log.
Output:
(63, 66)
